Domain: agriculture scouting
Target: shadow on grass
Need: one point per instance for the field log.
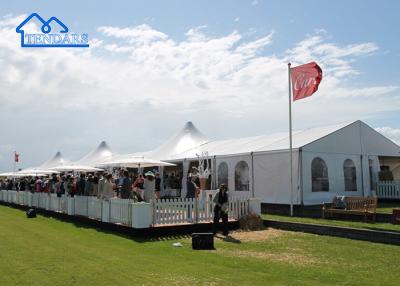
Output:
(382, 229)
(228, 238)
(152, 234)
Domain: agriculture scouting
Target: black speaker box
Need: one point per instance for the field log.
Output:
(31, 213)
(202, 241)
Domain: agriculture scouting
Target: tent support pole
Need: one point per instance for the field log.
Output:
(290, 143)
(252, 174)
(215, 175)
(300, 172)
(362, 175)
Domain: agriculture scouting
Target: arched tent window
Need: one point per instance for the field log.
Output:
(242, 176)
(350, 176)
(372, 180)
(319, 175)
(222, 174)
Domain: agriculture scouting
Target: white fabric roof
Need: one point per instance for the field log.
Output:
(270, 142)
(100, 154)
(189, 137)
(56, 160)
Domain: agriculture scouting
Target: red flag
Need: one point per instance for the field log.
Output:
(16, 157)
(305, 80)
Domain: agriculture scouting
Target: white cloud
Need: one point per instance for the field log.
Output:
(254, 2)
(335, 60)
(145, 70)
(391, 133)
(251, 48)
(142, 33)
(200, 72)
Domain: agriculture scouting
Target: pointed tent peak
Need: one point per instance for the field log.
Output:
(187, 138)
(189, 126)
(57, 160)
(98, 155)
(58, 155)
(103, 144)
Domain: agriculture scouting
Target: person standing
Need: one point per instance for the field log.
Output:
(61, 188)
(80, 185)
(100, 189)
(72, 187)
(88, 190)
(191, 193)
(95, 190)
(192, 188)
(38, 185)
(107, 187)
(221, 209)
(125, 186)
(149, 187)
(138, 187)
(55, 186)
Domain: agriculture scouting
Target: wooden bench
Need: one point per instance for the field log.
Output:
(365, 206)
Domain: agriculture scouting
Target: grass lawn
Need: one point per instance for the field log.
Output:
(45, 251)
(384, 207)
(336, 222)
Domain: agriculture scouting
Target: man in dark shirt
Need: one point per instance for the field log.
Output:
(80, 185)
(191, 188)
(125, 186)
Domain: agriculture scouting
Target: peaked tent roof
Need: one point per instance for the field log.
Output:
(100, 154)
(187, 138)
(280, 141)
(268, 142)
(56, 160)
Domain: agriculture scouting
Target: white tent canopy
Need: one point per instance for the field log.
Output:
(135, 162)
(38, 171)
(260, 164)
(101, 154)
(19, 175)
(77, 168)
(187, 138)
(262, 143)
(46, 167)
(57, 160)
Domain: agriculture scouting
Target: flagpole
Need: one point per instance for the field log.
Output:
(15, 152)
(290, 141)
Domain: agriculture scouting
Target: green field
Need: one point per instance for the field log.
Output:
(45, 251)
(386, 207)
(336, 222)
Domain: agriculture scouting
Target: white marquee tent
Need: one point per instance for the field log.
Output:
(57, 160)
(260, 164)
(327, 161)
(100, 154)
(46, 167)
(187, 138)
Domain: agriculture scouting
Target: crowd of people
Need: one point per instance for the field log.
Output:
(103, 185)
(125, 185)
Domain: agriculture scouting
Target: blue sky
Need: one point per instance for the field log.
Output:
(153, 65)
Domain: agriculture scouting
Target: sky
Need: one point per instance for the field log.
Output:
(154, 65)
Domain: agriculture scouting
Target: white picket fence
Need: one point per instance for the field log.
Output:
(388, 190)
(178, 210)
(129, 213)
(120, 211)
(94, 208)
